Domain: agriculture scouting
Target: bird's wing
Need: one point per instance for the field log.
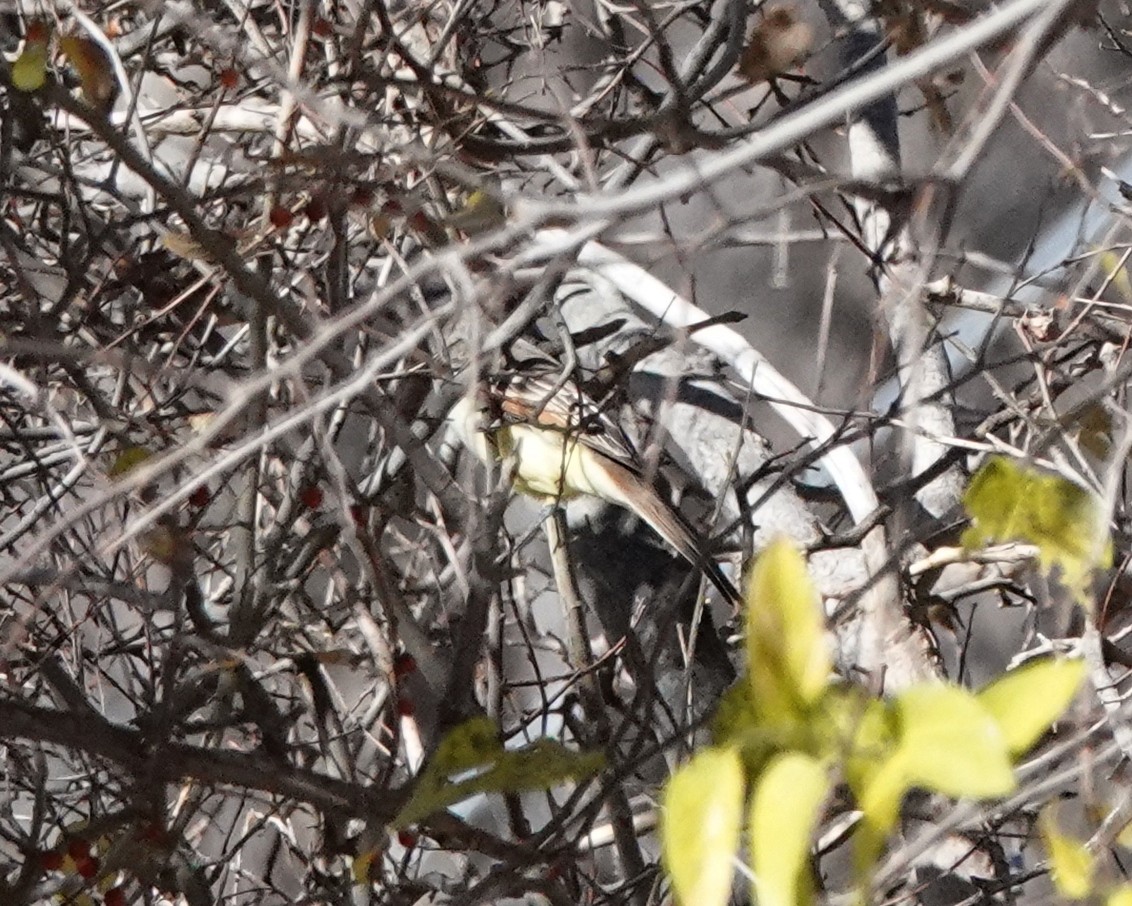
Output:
(538, 399)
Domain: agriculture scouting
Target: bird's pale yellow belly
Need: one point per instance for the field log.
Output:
(550, 463)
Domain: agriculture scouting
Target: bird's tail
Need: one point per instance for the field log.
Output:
(666, 521)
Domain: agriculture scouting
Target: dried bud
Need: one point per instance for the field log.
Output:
(777, 44)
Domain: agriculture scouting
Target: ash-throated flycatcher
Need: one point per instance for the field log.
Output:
(563, 446)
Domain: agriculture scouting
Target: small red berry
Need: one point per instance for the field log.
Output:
(310, 496)
(115, 896)
(200, 496)
(228, 78)
(51, 860)
(361, 197)
(87, 866)
(403, 665)
(280, 217)
(78, 848)
(408, 838)
(322, 28)
(406, 707)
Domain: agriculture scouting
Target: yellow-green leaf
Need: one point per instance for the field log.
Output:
(1026, 701)
(862, 729)
(789, 664)
(542, 764)
(1121, 896)
(784, 810)
(29, 72)
(935, 737)
(951, 744)
(481, 212)
(362, 867)
(1071, 864)
(879, 793)
(473, 751)
(1008, 501)
(128, 460)
(1124, 838)
(467, 745)
(738, 724)
(736, 717)
(701, 819)
(867, 742)
(1113, 268)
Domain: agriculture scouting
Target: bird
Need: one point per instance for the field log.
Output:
(563, 445)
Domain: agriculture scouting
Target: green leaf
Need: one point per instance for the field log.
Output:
(128, 460)
(861, 730)
(868, 743)
(789, 665)
(467, 745)
(539, 766)
(362, 868)
(1026, 701)
(736, 717)
(879, 794)
(473, 749)
(1120, 896)
(700, 823)
(1071, 864)
(29, 71)
(1115, 272)
(784, 811)
(1008, 501)
(933, 736)
(951, 744)
(481, 212)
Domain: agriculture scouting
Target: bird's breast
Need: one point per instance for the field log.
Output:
(550, 463)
